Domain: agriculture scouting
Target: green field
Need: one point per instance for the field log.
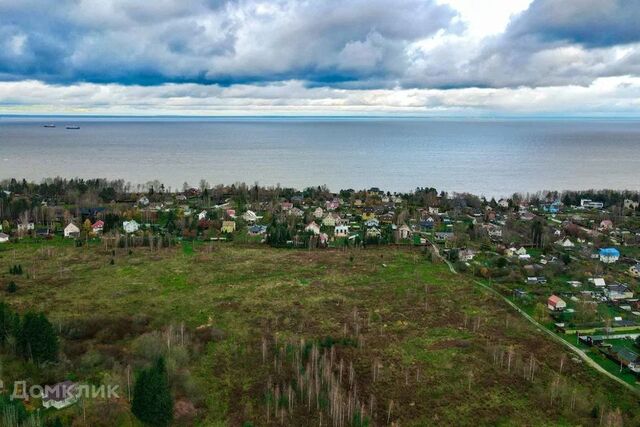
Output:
(238, 325)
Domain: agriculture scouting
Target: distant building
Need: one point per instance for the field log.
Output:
(590, 204)
(4, 238)
(228, 226)
(556, 303)
(71, 231)
(609, 255)
(313, 228)
(618, 291)
(341, 231)
(130, 226)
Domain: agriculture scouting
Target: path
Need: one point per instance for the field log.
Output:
(584, 356)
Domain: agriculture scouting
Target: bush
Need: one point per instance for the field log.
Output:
(12, 287)
(37, 339)
(152, 401)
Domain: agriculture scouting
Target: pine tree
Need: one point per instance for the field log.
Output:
(8, 322)
(152, 402)
(37, 339)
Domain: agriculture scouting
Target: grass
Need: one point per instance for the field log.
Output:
(432, 335)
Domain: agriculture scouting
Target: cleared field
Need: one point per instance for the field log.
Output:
(404, 340)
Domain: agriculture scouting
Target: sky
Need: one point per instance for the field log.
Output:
(321, 57)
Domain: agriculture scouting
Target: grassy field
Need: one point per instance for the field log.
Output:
(398, 339)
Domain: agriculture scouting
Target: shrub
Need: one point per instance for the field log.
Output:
(12, 287)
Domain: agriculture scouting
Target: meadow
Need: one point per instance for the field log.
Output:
(260, 336)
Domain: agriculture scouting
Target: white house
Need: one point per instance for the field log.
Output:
(599, 282)
(143, 201)
(250, 216)
(503, 203)
(71, 231)
(4, 238)
(566, 243)
(404, 232)
(466, 255)
(318, 213)
(23, 228)
(130, 226)
(341, 231)
(313, 227)
(630, 204)
(202, 215)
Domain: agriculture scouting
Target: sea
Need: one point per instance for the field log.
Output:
(490, 157)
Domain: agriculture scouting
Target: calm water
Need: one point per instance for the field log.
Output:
(490, 157)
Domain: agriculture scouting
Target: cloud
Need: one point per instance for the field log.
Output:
(591, 23)
(423, 56)
(203, 41)
(613, 95)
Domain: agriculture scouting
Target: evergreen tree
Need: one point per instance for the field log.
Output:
(8, 322)
(37, 339)
(152, 402)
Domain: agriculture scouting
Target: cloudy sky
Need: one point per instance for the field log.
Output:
(326, 57)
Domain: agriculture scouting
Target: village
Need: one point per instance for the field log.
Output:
(570, 260)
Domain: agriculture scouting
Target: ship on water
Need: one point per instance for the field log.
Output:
(50, 125)
(73, 127)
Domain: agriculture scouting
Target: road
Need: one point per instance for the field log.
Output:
(580, 353)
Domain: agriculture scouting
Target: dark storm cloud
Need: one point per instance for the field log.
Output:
(210, 41)
(592, 23)
(355, 44)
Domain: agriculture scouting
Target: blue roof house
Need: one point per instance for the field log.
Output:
(609, 255)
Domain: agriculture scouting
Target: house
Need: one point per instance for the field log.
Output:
(341, 231)
(609, 255)
(98, 226)
(250, 216)
(634, 270)
(143, 201)
(296, 212)
(4, 238)
(332, 205)
(329, 220)
(566, 243)
(231, 213)
(71, 231)
(358, 203)
(617, 292)
(318, 213)
(257, 230)
(60, 395)
(466, 255)
(606, 225)
(503, 203)
(590, 204)
(427, 223)
(433, 210)
(286, 206)
(313, 228)
(630, 204)
(443, 236)
(130, 226)
(228, 226)
(25, 227)
(404, 232)
(202, 215)
(372, 223)
(599, 282)
(367, 214)
(373, 232)
(555, 303)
